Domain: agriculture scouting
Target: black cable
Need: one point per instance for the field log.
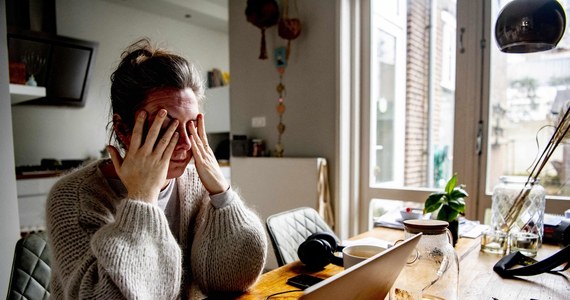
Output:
(285, 292)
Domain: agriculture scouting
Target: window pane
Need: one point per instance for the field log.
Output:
(527, 92)
(412, 94)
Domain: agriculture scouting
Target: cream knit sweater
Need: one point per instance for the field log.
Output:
(107, 247)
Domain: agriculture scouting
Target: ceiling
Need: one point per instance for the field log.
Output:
(212, 14)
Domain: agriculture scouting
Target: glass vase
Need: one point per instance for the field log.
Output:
(517, 210)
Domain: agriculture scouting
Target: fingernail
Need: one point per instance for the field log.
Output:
(162, 112)
(199, 116)
(142, 114)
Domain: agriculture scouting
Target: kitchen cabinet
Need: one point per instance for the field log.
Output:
(32, 197)
(21, 93)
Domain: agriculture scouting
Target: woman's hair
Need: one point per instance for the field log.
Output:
(144, 68)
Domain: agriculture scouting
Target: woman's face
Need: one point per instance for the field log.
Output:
(181, 105)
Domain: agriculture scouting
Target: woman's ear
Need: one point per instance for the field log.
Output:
(121, 130)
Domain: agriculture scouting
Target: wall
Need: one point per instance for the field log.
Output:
(72, 133)
(310, 78)
(9, 222)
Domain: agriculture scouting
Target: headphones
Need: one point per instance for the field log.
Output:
(318, 250)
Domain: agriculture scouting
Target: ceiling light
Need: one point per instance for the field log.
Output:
(525, 26)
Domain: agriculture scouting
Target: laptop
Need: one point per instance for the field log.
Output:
(369, 279)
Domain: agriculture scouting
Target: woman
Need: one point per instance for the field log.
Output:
(148, 224)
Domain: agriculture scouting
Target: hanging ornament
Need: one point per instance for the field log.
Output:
(289, 26)
(263, 14)
(281, 64)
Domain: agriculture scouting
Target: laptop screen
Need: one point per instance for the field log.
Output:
(369, 279)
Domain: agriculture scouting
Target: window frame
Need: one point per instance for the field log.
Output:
(470, 149)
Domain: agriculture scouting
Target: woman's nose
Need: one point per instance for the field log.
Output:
(184, 139)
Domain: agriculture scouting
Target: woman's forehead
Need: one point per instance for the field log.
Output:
(170, 98)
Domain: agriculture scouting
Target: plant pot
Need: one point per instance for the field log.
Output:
(454, 229)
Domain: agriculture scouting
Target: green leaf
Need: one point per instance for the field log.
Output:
(443, 214)
(433, 202)
(451, 184)
(446, 213)
(458, 193)
(457, 205)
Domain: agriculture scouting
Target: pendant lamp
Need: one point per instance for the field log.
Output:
(525, 26)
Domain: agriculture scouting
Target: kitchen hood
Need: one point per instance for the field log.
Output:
(39, 56)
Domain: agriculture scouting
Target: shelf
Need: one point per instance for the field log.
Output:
(21, 93)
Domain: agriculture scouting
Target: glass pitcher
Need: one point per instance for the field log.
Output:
(432, 270)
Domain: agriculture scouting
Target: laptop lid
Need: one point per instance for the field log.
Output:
(369, 279)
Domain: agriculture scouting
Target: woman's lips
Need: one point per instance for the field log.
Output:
(179, 158)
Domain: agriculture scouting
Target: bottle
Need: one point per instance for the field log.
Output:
(432, 270)
(522, 220)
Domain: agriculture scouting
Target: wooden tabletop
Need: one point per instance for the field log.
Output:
(476, 275)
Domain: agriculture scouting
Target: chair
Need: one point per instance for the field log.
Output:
(289, 229)
(31, 269)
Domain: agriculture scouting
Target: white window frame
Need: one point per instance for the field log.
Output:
(473, 39)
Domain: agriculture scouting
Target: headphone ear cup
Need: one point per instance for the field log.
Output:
(327, 237)
(315, 253)
(318, 249)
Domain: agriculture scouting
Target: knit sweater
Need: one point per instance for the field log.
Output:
(105, 246)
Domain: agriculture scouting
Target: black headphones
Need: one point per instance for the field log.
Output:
(318, 250)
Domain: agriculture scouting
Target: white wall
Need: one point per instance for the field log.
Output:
(310, 78)
(9, 222)
(79, 133)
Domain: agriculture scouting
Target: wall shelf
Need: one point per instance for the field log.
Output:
(21, 93)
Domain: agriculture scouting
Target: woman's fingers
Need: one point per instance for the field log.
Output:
(115, 157)
(138, 129)
(205, 160)
(166, 139)
(171, 146)
(154, 131)
(202, 129)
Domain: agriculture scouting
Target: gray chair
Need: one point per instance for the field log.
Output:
(31, 269)
(289, 229)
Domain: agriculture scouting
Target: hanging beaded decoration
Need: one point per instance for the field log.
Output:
(281, 63)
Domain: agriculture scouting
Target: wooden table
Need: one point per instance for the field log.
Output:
(477, 280)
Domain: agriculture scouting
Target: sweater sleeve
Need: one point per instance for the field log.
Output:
(130, 254)
(229, 247)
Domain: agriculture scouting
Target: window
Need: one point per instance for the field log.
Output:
(409, 128)
(526, 95)
(440, 98)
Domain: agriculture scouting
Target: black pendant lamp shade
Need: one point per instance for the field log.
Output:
(525, 26)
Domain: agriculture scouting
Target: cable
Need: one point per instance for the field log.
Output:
(285, 292)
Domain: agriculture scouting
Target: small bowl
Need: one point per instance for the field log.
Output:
(411, 213)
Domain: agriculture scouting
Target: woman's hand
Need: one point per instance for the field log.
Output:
(206, 163)
(144, 168)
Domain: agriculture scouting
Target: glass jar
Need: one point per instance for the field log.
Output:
(525, 229)
(432, 270)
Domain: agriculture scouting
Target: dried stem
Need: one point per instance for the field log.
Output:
(558, 135)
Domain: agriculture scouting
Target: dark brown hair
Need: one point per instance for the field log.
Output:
(144, 68)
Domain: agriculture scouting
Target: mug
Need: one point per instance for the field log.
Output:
(352, 255)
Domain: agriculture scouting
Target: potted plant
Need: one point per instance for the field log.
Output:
(449, 204)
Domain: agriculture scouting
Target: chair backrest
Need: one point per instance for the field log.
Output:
(289, 229)
(31, 270)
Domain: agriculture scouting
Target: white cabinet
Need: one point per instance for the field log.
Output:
(32, 196)
(272, 185)
(20, 93)
(217, 109)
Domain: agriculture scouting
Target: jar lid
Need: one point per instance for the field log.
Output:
(428, 227)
